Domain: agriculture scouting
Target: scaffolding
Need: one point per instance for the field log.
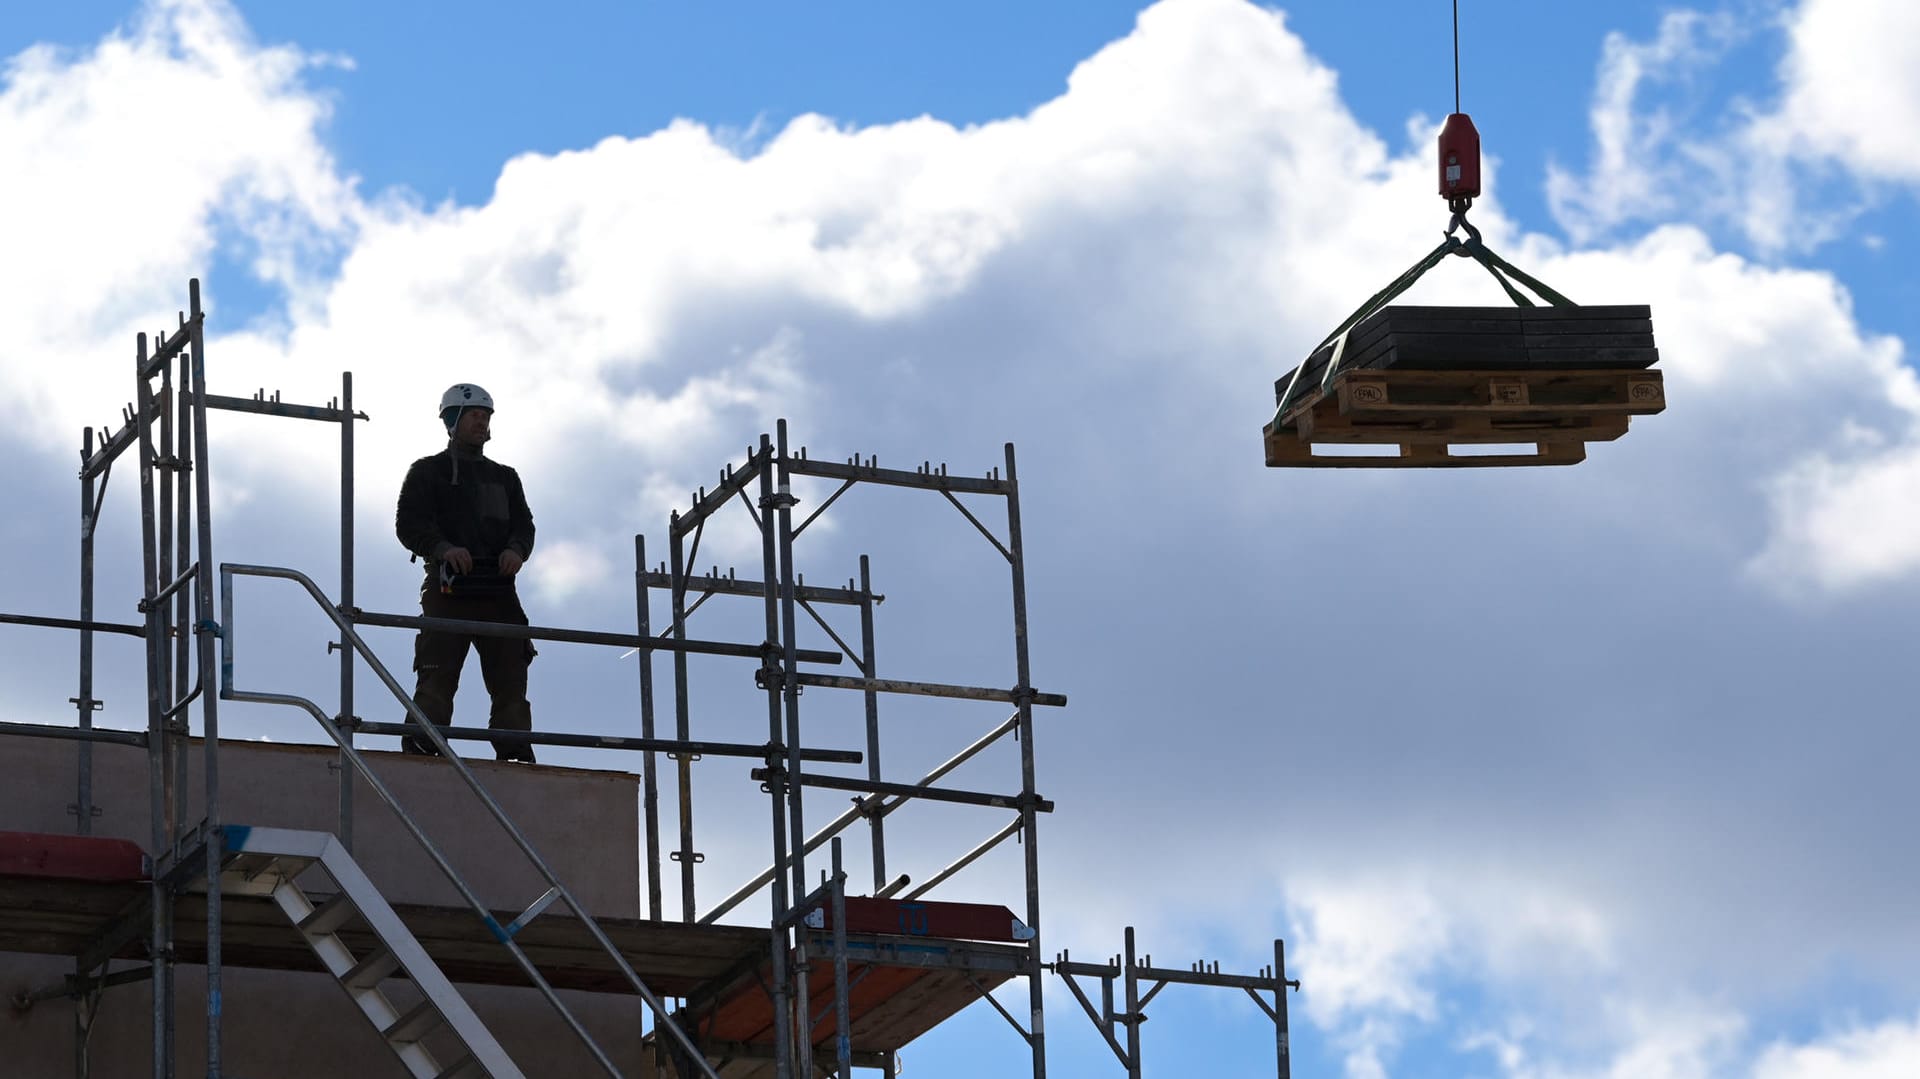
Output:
(759, 1013)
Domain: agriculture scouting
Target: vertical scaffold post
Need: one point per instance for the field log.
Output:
(649, 760)
(158, 803)
(346, 601)
(1133, 1018)
(776, 772)
(796, 792)
(205, 645)
(182, 480)
(83, 794)
(1283, 1048)
(842, 1018)
(166, 473)
(876, 823)
(1029, 817)
(681, 724)
(174, 438)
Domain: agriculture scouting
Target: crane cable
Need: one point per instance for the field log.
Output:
(1456, 55)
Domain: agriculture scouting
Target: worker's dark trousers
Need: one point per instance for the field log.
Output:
(438, 657)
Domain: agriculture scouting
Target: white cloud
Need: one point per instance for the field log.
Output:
(1554, 714)
(1890, 1050)
(1852, 85)
(565, 568)
(1379, 951)
(1790, 168)
(1641, 1040)
(125, 165)
(1636, 174)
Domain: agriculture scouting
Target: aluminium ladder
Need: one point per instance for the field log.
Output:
(266, 861)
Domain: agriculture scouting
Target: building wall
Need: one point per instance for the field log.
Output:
(290, 1025)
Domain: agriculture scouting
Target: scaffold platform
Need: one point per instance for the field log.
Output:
(61, 894)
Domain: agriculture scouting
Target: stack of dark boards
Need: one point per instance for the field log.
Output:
(1425, 378)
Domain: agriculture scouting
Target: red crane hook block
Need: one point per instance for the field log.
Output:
(1459, 161)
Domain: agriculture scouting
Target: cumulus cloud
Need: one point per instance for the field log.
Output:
(1637, 172)
(127, 164)
(1552, 713)
(1852, 85)
(1787, 168)
(1884, 1051)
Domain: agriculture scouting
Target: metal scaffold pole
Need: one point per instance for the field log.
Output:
(159, 804)
(649, 761)
(777, 774)
(876, 822)
(346, 602)
(796, 792)
(681, 725)
(1029, 817)
(206, 633)
(84, 703)
(179, 460)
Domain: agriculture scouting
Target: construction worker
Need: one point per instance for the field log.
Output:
(467, 517)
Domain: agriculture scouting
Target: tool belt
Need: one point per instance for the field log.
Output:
(485, 580)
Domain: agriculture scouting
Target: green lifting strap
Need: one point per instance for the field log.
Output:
(1472, 247)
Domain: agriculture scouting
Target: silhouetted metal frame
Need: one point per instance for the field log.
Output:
(1021, 695)
(1129, 971)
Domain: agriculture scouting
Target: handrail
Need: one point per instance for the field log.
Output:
(661, 1017)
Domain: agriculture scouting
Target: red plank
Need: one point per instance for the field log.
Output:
(71, 857)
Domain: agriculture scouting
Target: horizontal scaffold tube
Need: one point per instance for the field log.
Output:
(895, 477)
(73, 623)
(908, 790)
(77, 734)
(577, 636)
(608, 741)
(928, 689)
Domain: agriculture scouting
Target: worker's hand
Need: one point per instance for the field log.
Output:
(510, 562)
(459, 558)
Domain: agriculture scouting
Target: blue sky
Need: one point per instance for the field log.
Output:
(1523, 765)
(433, 103)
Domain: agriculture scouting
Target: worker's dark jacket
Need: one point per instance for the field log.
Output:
(459, 498)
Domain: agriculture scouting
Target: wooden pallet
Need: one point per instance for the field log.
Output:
(1423, 412)
(1426, 378)
(1484, 339)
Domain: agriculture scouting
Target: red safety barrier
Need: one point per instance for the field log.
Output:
(72, 857)
(927, 918)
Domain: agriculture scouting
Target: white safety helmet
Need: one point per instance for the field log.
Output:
(465, 395)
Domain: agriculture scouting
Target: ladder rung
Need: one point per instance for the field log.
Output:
(415, 1025)
(463, 1068)
(372, 970)
(250, 866)
(329, 916)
